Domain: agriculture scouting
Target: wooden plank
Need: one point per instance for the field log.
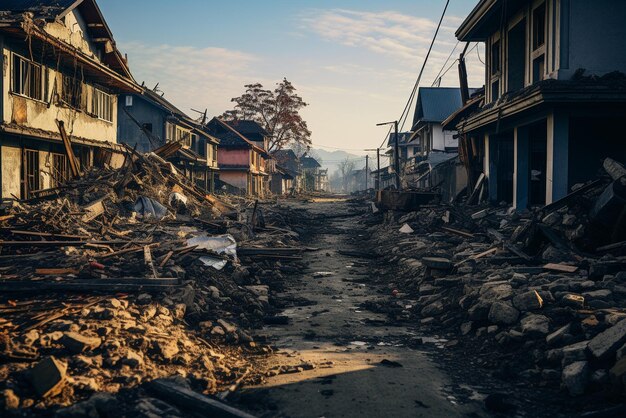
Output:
(94, 209)
(515, 250)
(49, 235)
(190, 400)
(458, 232)
(67, 143)
(166, 259)
(55, 271)
(610, 247)
(126, 251)
(147, 256)
(564, 268)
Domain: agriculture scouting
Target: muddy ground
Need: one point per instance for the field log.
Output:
(351, 362)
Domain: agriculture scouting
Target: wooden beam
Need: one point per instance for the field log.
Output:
(67, 143)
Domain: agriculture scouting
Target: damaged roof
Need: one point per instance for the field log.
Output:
(435, 104)
(40, 8)
(247, 127)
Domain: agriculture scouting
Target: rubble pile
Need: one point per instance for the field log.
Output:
(539, 295)
(125, 276)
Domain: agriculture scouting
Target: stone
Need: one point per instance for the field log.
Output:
(602, 294)
(528, 301)
(466, 327)
(433, 309)
(600, 377)
(575, 378)
(574, 352)
(535, 324)
(167, 348)
(559, 335)
(480, 311)
(618, 373)
(179, 310)
(77, 343)
(227, 326)
(48, 377)
(132, 359)
(144, 299)
(496, 291)
(606, 343)
(573, 300)
(437, 263)
(503, 313)
(11, 400)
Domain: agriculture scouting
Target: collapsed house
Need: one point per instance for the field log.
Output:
(62, 77)
(551, 86)
(315, 178)
(244, 162)
(148, 122)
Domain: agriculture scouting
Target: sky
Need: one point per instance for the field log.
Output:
(353, 61)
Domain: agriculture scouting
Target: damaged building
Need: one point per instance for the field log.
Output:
(62, 74)
(555, 91)
(149, 122)
(244, 162)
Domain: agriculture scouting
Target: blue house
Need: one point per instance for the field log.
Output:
(149, 122)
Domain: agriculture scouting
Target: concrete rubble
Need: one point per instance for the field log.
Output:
(539, 295)
(99, 297)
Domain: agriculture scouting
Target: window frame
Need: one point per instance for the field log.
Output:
(95, 104)
(537, 51)
(43, 75)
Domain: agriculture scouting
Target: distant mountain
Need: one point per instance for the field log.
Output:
(331, 159)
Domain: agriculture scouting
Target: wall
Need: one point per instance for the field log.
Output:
(235, 178)
(72, 31)
(227, 156)
(596, 37)
(129, 133)
(10, 163)
(34, 114)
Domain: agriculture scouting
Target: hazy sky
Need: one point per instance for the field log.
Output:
(353, 61)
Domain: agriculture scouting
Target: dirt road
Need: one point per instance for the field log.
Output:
(364, 366)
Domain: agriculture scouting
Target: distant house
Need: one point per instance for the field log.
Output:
(59, 64)
(148, 122)
(242, 162)
(406, 150)
(311, 173)
(543, 123)
(382, 179)
(288, 175)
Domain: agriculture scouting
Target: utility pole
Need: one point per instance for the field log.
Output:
(367, 159)
(378, 163)
(397, 157)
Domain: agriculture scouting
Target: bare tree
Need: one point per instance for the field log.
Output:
(345, 168)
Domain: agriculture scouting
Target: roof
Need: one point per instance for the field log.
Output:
(403, 138)
(486, 18)
(309, 162)
(230, 137)
(14, 21)
(247, 127)
(435, 104)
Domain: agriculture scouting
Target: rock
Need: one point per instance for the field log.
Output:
(466, 327)
(503, 313)
(227, 326)
(11, 400)
(437, 263)
(167, 348)
(480, 311)
(618, 373)
(499, 402)
(574, 301)
(179, 310)
(602, 294)
(575, 378)
(606, 343)
(600, 377)
(559, 335)
(433, 309)
(77, 343)
(496, 291)
(528, 301)
(144, 299)
(535, 324)
(48, 377)
(574, 352)
(99, 405)
(132, 359)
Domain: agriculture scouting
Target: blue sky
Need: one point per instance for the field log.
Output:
(353, 61)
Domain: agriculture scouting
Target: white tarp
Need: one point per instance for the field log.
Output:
(219, 244)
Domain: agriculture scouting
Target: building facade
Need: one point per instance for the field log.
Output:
(554, 91)
(60, 67)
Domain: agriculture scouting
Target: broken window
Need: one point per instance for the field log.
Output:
(102, 105)
(60, 169)
(495, 58)
(495, 69)
(176, 133)
(28, 78)
(72, 92)
(30, 172)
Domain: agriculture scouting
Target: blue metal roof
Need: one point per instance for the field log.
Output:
(435, 104)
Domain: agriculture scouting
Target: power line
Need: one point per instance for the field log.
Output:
(405, 112)
(445, 63)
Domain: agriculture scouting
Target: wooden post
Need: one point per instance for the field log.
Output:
(67, 143)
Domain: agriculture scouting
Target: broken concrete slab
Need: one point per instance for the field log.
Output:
(503, 313)
(535, 324)
(77, 343)
(48, 377)
(528, 301)
(575, 378)
(606, 343)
